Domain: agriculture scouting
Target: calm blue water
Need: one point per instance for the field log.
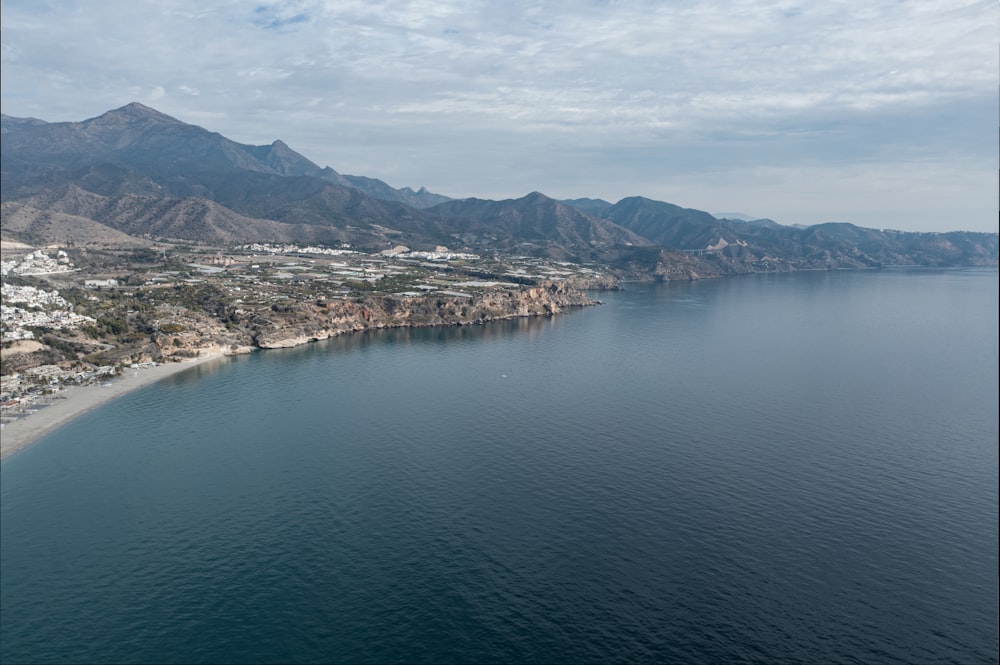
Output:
(791, 468)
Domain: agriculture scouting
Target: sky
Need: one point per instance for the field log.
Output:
(883, 113)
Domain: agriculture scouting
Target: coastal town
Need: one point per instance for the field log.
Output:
(72, 316)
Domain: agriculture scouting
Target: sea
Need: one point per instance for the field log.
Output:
(775, 468)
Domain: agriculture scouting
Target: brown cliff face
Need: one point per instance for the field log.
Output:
(303, 323)
(205, 320)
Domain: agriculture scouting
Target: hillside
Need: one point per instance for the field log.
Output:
(23, 223)
(143, 174)
(536, 221)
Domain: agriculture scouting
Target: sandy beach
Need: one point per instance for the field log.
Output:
(76, 400)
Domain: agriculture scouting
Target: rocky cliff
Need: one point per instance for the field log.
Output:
(303, 323)
(295, 323)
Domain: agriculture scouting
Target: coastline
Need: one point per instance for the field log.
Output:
(77, 400)
(73, 401)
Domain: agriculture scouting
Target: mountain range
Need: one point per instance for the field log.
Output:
(134, 173)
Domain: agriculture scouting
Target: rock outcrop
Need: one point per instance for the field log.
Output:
(302, 323)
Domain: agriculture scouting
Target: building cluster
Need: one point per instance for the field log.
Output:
(267, 248)
(100, 283)
(37, 263)
(26, 307)
(442, 256)
(440, 253)
(22, 391)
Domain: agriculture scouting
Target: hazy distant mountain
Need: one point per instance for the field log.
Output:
(191, 219)
(379, 190)
(10, 121)
(147, 144)
(748, 219)
(740, 216)
(144, 140)
(194, 184)
(139, 172)
(670, 225)
(539, 220)
(742, 246)
(770, 223)
(847, 245)
(594, 207)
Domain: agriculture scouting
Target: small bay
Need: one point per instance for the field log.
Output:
(771, 468)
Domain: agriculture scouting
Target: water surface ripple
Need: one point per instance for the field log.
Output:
(770, 469)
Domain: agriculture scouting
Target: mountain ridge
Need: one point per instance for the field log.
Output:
(151, 141)
(155, 175)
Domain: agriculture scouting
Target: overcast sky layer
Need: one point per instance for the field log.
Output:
(883, 113)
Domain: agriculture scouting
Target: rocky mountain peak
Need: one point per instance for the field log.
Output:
(131, 113)
(538, 198)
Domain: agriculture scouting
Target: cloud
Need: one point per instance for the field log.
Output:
(278, 15)
(476, 97)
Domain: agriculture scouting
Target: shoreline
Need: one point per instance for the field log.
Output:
(74, 401)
